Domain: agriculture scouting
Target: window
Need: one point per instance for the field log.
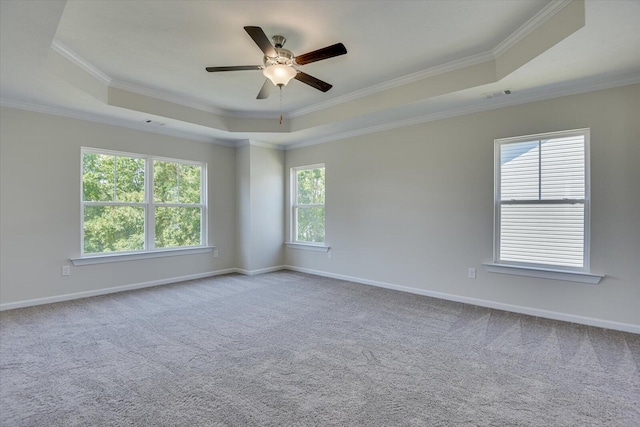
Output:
(135, 203)
(542, 201)
(308, 190)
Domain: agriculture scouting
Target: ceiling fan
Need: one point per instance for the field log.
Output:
(279, 64)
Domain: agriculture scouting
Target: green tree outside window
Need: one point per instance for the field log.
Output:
(309, 208)
(115, 204)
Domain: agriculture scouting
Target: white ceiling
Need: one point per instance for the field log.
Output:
(403, 63)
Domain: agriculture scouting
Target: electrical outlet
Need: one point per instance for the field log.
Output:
(472, 273)
(215, 253)
(329, 254)
(66, 270)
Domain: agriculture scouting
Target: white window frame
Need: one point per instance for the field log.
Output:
(149, 251)
(581, 274)
(294, 242)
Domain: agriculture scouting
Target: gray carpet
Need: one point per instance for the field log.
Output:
(289, 349)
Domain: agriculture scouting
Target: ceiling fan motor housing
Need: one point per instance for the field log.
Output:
(278, 41)
(285, 57)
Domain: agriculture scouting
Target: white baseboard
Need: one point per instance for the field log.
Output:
(105, 291)
(625, 327)
(260, 271)
(607, 324)
(86, 294)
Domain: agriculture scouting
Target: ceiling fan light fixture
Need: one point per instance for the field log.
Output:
(279, 74)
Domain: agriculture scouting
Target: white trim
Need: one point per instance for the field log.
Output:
(164, 96)
(294, 205)
(547, 314)
(259, 271)
(536, 21)
(448, 67)
(158, 253)
(80, 62)
(308, 246)
(608, 324)
(105, 291)
(525, 97)
(85, 65)
(190, 102)
(544, 273)
(533, 269)
(267, 145)
(249, 142)
(531, 25)
(149, 205)
(96, 73)
(112, 121)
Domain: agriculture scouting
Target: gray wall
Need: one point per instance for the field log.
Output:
(410, 207)
(243, 207)
(260, 207)
(413, 206)
(40, 206)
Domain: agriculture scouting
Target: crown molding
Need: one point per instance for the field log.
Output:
(394, 83)
(164, 96)
(85, 65)
(253, 142)
(531, 25)
(524, 97)
(266, 145)
(74, 114)
(80, 62)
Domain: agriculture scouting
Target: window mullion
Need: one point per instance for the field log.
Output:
(115, 178)
(150, 210)
(542, 202)
(178, 183)
(539, 169)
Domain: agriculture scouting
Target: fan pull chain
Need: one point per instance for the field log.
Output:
(280, 103)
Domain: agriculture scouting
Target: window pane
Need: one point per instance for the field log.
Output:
(165, 182)
(113, 229)
(310, 186)
(129, 179)
(97, 177)
(519, 172)
(176, 226)
(563, 168)
(190, 183)
(310, 222)
(542, 234)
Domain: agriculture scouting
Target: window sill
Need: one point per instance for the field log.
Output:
(544, 273)
(308, 246)
(103, 259)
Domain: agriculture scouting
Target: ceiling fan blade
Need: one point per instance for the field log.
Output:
(312, 81)
(233, 68)
(320, 54)
(266, 90)
(262, 41)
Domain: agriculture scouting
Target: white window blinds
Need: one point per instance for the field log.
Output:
(541, 201)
